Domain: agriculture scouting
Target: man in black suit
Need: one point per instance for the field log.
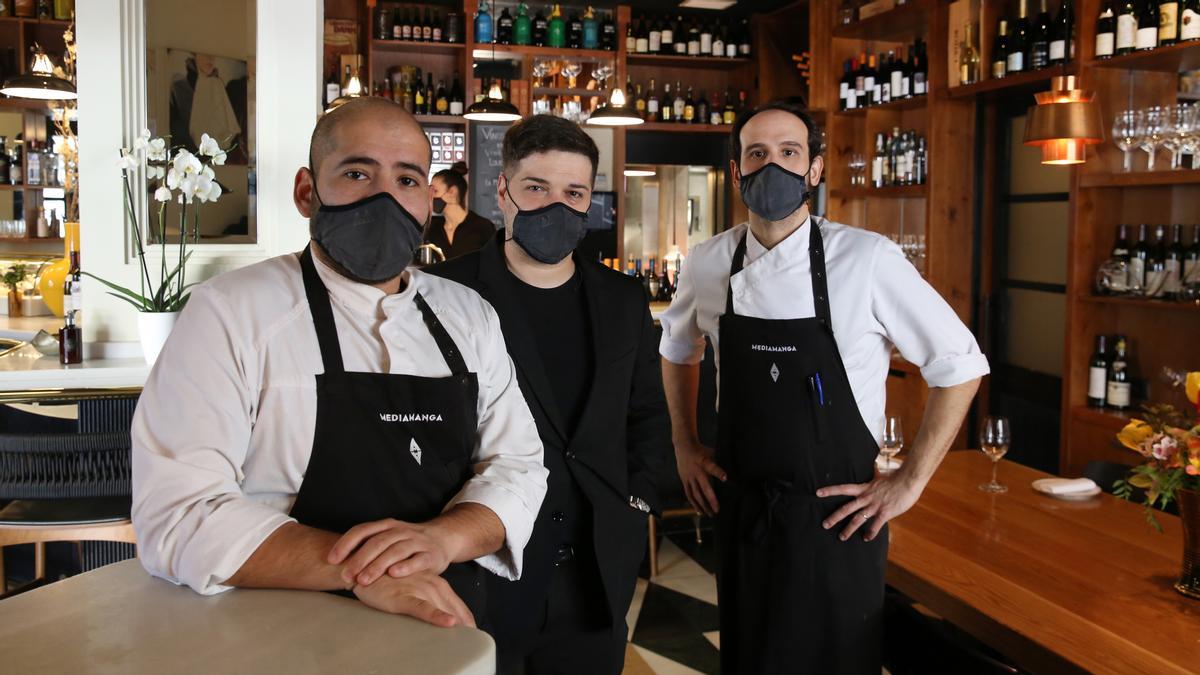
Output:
(584, 345)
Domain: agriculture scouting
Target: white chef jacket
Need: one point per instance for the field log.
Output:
(224, 428)
(877, 300)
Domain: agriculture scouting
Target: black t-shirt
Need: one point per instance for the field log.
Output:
(560, 324)
(470, 235)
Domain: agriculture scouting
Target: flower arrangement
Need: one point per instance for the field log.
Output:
(185, 177)
(1169, 440)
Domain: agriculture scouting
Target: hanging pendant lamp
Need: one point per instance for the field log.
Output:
(1064, 122)
(40, 82)
(615, 113)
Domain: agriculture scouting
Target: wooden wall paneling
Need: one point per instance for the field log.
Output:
(823, 90)
(776, 74)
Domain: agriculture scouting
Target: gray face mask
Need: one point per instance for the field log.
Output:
(372, 239)
(773, 192)
(548, 234)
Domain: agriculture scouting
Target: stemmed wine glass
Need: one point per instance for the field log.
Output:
(1152, 129)
(893, 442)
(1125, 134)
(1178, 120)
(993, 440)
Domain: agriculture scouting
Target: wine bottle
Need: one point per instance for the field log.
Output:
(1168, 22)
(860, 82)
(437, 34)
(1098, 373)
(920, 80)
(667, 109)
(456, 96)
(639, 99)
(1118, 389)
(968, 58)
(652, 103)
(574, 31)
(1191, 261)
(608, 33)
(1173, 284)
(1106, 31)
(728, 114)
(504, 27)
(689, 108)
(541, 26)
(1156, 266)
(1189, 21)
(701, 113)
(1147, 25)
(678, 105)
(744, 39)
(1119, 283)
(680, 37)
(693, 39)
(845, 86)
(1061, 38)
(706, 40)
(1138, 261)
(897, 77)
(718, 43)
(1127, 27)
(442, 99)
(667, 37)
(1018, 43)
(1000, 52)
(655, 43)
(869, 81)
(1039, 49)
(383, 24)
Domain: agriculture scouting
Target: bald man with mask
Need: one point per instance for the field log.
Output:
(349, 424)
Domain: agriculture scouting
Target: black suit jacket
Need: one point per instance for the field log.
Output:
(622, 440)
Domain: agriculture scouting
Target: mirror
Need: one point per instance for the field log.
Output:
(670, 208)
(200, 74)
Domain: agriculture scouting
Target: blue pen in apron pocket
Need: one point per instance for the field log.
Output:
(817, 402)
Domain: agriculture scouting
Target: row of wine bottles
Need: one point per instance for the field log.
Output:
(1126, 26)
(1153, 269)
(867, 81)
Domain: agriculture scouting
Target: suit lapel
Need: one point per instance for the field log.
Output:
(598, 311)
(495, 277)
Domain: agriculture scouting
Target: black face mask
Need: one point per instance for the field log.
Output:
(372, 239)
(773, 192)
(439, 205)
(548, 234)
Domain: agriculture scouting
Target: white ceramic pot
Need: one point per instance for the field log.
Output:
(153, 329)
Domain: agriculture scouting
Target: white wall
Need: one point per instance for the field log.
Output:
(112, 110)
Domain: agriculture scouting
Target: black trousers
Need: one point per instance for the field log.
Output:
(575, 636)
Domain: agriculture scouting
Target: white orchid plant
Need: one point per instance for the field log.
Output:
(186, 178)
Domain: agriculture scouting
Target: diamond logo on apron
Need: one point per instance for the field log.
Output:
(415, 450)
(774, 372)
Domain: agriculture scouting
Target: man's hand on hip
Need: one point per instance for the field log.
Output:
(874, 504)
(423, 595)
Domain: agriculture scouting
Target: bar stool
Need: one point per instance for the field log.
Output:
(66, 487)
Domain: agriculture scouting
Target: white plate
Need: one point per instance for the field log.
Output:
(1071, 496)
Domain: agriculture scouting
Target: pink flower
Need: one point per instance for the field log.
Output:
(1164, 448)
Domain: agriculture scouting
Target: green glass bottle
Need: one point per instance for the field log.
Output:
(522, 26)
(556, 34)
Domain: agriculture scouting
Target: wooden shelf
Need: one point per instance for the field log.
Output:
(24, 103)
(565, 91)
(868, 192)
(901, 24)
(448, 120)
(8, 187)
(35, 21)
(415, 46)
(671, 60)
(1140, 178)
(913, 103)
(27, 240)
(1144, 303)
(671, 127)
(485, 51)
(1103, 417)
(1020, 82)
(1173, 59)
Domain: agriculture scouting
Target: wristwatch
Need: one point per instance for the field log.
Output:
(639, 504)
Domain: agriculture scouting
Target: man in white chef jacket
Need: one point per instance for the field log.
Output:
(305, 383)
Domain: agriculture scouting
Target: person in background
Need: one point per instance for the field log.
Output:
(332, 421)
(584, 344)
(454, 228)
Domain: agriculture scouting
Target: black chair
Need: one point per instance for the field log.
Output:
(67, 487)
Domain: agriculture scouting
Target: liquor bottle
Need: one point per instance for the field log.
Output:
(1039, 48)
(1117, 393)
(556, 28)
(608, 33)
(483, 24)
(1062, 39)
(574, 31)
(1106, 31)
(714, 110)
(701, 113)
(522, 26)
(1127, 27)
(456, 97)
(652, 283)
(591, 29)
(718, 43)
(968, 58)
(504, 27)
(744, 39)
(1173, 284)
(869, 81)
(420, 103)
(333, 88)
(1119, 283)
(1098, 374)
(1156, 266)
(667, 108)
(639, 97)
(652, 103)
(442, 99)
(693, 40)
(1018, 42)
(383, 24)
(921, 171)
(679, 35)
(1189, 20)
(655, 44)
(453, 30)
(845, 86)
(431, 30)
(920, 81)
(1147, 25)
(642, 34)
(877, 161)
(1138, 261)
(679, 104)
(407, 94)
(667, 36)
(630, 38)
(70, 341)
(728, 114)
(1168, 22)
(665, 291)
(689, 108)
(1191, 261)
(540, 28)
(1000, 52)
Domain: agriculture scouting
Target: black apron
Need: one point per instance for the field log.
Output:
(388, 446)
(793, 597)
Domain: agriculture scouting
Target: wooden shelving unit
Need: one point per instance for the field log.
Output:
(1140, 178)
(1173, 59)
(1017, 84)
(666, 60)
(901, 23)
(913, 103)
(1145, 303)
(670, 128)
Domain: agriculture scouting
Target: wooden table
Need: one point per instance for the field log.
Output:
(1056, 586)
(118, 619)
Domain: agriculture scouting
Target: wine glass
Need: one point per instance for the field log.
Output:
(893, 442)
(1178, 122)
(993, 440)
(1153, 128)
(571, 70)
(1125, 134)
(601, 73)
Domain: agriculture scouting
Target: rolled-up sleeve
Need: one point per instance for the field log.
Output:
(510, 474)
(921, 324)
(682, 339)
(190, 434)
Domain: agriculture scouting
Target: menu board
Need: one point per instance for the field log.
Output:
(484, 150)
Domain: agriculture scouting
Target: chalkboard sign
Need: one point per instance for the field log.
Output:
(483, 152)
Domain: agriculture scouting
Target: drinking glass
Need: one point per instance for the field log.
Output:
(1179, 120)
(1125, 135)
(993, 440)
(893, 442)
(1153, 129)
